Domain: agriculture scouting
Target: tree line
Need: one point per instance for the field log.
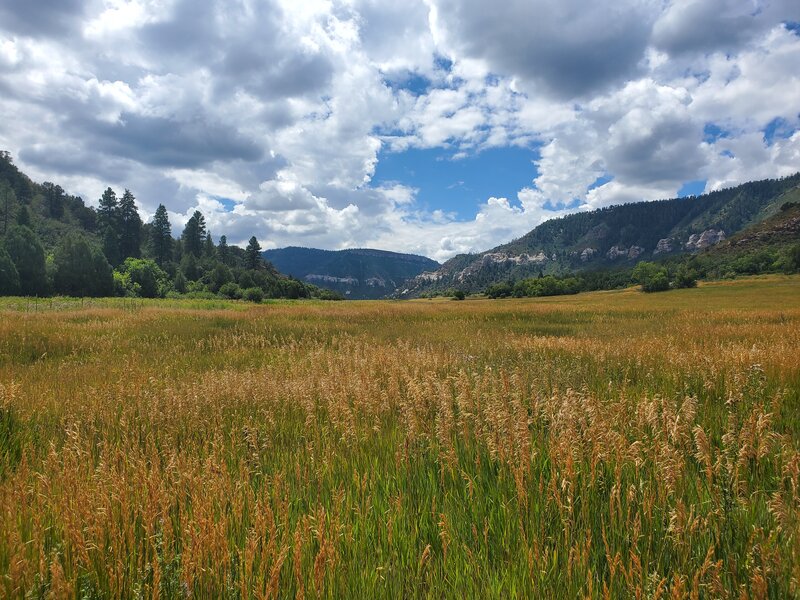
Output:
(51, 243)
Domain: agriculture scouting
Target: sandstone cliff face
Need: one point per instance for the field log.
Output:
(664, 246)
(710, 237)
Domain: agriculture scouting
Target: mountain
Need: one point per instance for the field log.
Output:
(356, 273)
(615, 237)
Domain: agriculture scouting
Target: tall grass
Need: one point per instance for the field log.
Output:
(608, 445)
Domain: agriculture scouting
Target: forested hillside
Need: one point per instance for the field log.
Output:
(616, 237)
(53, 243)
(355, 273)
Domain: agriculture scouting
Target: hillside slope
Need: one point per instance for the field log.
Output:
(616, 236)
(356, 273)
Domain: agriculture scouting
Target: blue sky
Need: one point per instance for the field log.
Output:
(427, 126)
(458, 185)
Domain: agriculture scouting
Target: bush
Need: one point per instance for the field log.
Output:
(230, 290)
(253, 294)
(685, 277)
(652, 277)
(658, 283)
(144, 278)
(500, 290)
(459, 295)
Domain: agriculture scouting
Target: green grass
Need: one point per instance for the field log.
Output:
(546, 448)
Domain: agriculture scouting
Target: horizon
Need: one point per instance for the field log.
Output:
(437, 128)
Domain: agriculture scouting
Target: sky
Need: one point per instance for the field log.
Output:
(428, 126)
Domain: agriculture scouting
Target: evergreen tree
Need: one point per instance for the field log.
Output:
(8, 200)
(108, 212)
(180, 283)
(252, 254)
(130, 227)
(9, 278)
(27, 254)
(220, 275)
(189, 267)
(209, 251)
(24, 217)
(54, 199)
(223, 252)
(161, 236)
(108, 222)
(111, 246)
(80, 270)
(194, 234)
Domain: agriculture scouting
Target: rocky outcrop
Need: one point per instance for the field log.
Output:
(664, 246)
(311, 277)
(710, 237)
(588, 254)
(617, 252)
(635, 252)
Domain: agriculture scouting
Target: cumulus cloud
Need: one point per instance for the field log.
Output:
(568, 47)
(271, 116)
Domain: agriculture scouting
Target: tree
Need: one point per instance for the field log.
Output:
(252, 254)
(9, 278)
(24, 217)
(194, 234)
(190, 268)
(8, 200)
(108, 212)
(209, 250)
(145, 276)
(685, 277)
(27, 254)
(109, 226)
(223, 252)
(180, 283)
(130, 227)
(652, 277)
(53, 199)
(161, 236)
(81, 269)
(220, 275)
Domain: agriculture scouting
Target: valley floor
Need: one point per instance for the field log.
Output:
(610, 444)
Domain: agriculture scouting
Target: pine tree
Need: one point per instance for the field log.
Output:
(252, 254)
(130, 227)
(23, 217)
(209, 251)
(54, 199)
(108, 223)
(108, 212)
(194, 234)
(223, 252)
(161, 236)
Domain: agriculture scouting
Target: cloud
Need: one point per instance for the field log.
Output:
(284, 107)
(567, 47)
(41, 18)
(692, 26)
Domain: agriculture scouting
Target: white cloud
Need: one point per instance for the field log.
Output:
(283, 107)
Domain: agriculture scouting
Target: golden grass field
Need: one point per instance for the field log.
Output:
(605, 445)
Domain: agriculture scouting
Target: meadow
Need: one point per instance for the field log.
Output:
(604, 445)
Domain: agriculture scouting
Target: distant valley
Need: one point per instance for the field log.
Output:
(355, 273)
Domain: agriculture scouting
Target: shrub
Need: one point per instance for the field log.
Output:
(685, 277)
(253, 294)
(459, 295)
(652, 277)
(230, 290)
